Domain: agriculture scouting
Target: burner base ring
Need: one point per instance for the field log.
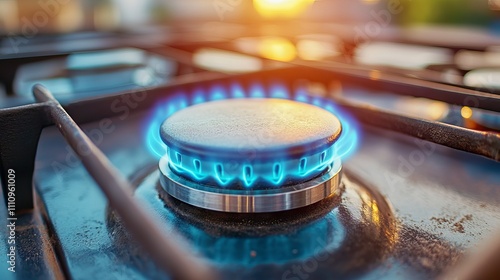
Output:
(251, 201)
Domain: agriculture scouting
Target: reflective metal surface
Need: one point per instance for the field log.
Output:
(250, 201)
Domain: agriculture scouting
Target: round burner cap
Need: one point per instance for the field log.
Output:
(258, 143)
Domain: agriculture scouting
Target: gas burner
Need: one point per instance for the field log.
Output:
(251, 155)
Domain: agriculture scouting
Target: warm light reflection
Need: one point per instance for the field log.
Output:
(438, 110)
(315, 50)
(466, 112)
(277, 48)
(422, 108)
(370, 209)
(374, 75)
(281, 8)
(106, 17)
(226, 61)
(375, 213)
(371, 2)
(71, 17)
(9, 14)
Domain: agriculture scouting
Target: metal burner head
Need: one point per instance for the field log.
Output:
(251, 155)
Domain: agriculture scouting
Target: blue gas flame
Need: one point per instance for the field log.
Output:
(345, 146)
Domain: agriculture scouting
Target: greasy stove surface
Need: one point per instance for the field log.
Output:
(408, 210)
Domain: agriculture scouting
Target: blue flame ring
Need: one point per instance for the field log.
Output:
(251, 175)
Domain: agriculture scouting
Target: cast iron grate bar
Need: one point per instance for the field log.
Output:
(177, 262)
(405, 86)
(20, 130)
(481, 143)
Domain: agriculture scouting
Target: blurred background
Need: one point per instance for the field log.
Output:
(62, 16)
(86, 48)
